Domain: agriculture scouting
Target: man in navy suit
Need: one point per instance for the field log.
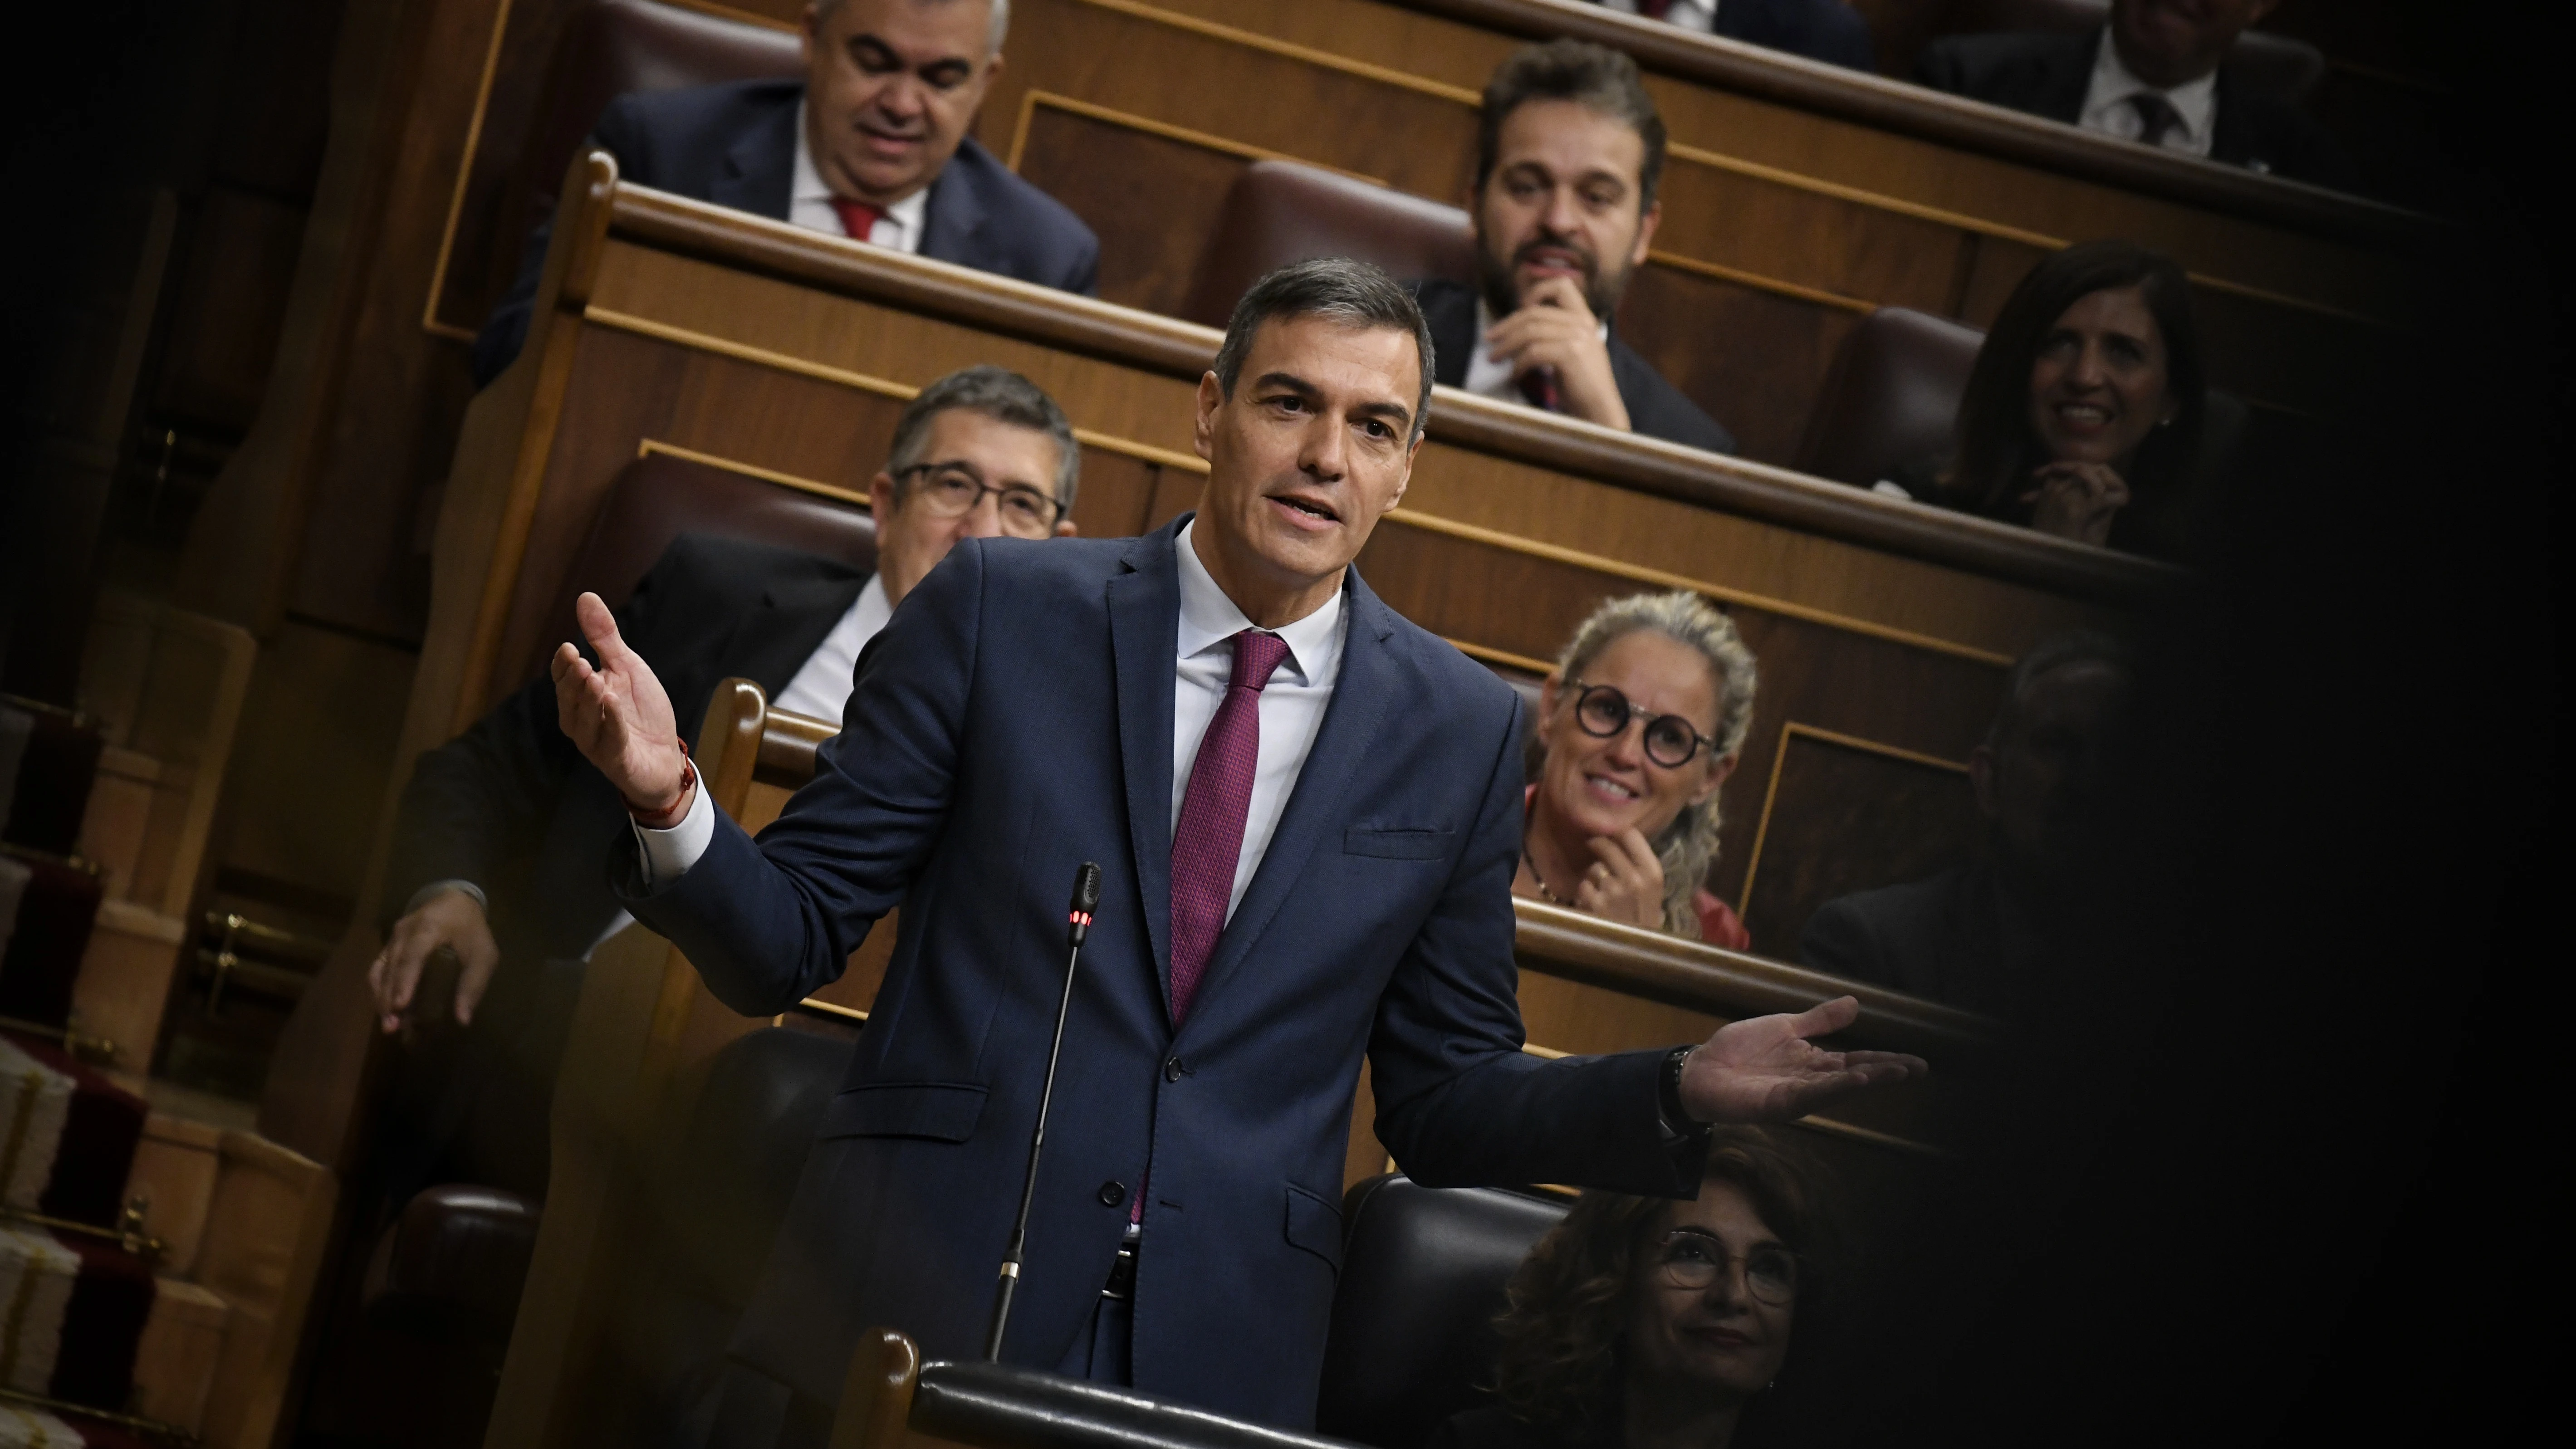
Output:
(871, 145)
(1307, 812)
(2157, 73)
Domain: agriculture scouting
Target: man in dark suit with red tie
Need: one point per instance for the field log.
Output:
(872, 145)
(1307, 812)
(1568, 152)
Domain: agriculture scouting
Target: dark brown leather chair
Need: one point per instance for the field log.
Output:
(1423, 1271)
(612, 47)
(1280, 212)
(1890, 397)
(2276, 65)
(659, 497)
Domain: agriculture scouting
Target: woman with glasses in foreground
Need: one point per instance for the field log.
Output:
(1646, 1323)
(1638, 727)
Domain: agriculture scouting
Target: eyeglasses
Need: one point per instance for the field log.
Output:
(953, 490)
(1604, 713)
(1695, 1260)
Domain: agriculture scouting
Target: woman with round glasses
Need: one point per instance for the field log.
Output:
(1647, 1323)
(1637, 728)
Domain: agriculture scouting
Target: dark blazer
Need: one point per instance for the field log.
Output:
(735, 145)
(511, 806)
(1656, 408)
(1826, 30)
(2045, 73)
(1013, 721)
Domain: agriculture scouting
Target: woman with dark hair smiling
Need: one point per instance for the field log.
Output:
(1647, 1323)
(2083, 415)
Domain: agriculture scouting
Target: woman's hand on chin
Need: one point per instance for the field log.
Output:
(1626, 883)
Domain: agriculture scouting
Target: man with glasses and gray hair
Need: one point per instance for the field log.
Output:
(496, 853)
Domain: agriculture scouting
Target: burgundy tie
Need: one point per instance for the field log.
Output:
(1209, 842)
(1653, 9)
(858, 218)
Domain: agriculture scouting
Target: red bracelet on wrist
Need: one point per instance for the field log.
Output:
(665, 819)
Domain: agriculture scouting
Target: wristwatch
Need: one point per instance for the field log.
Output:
(1669, 1093)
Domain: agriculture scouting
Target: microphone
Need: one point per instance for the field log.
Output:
(1086, 899)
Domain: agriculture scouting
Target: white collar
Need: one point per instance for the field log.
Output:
(1209, 618)
(807, 186)
(2195, 101)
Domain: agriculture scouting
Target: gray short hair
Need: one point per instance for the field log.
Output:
(1353, 293)
(997, 393)
(992, 35)
(1688, 846)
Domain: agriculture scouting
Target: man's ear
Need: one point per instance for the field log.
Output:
(1981, 779)
(1646, 225)
(809, 38)
(1066, 528)
(1203, 430)
(881, 501)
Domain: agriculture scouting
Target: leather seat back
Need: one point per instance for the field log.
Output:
(658, 497)
(1280, 212)
(1423, 1271)
(1890, 397)
(2276, 65)
(610, 48)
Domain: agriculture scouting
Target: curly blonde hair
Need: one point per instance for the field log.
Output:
(1688, 846)
(1568, 1301)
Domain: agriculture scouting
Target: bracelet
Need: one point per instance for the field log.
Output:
(665, 819)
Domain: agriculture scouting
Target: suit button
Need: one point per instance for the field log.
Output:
(1112, 1194)
(1172, 1069)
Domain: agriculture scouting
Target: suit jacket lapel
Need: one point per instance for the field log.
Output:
(759, 173)
(1449, 308)
(1318, 806)
(1144, 633)
(953, 219)
(773, 641)
(2067, 76)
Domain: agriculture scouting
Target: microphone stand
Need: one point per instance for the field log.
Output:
(1086, 899)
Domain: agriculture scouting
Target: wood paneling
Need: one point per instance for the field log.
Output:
(1809, 211)
(1843, 814)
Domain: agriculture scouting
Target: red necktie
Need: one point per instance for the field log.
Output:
(1539, 386)
(1209, 842)
(857, 217)
(1653, 9)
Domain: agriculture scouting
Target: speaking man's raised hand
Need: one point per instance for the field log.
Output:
(1764, 1068)
(619, 718)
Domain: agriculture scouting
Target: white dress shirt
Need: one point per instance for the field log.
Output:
(809, 205)
(2107, 108)
(822, 686)
(1292, 712)
(1490, 376)
(1292, 706)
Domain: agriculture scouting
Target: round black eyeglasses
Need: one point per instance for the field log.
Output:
(1695, 1260)
(1604, 713)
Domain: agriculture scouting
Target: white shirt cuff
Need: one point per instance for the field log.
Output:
(668, 854)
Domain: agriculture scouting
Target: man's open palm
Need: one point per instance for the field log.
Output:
(617, 714)
(1764, 1068)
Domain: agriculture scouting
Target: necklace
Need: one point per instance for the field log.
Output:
(1551, 897)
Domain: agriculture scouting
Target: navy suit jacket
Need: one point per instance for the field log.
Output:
(1826, 30)
(2045, 73)
(1656, 408)
(1013, 721)
(735, 145)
